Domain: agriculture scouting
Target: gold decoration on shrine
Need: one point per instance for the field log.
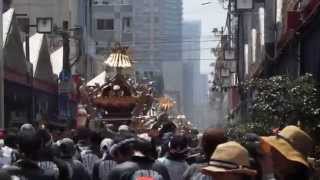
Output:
(119, 57)
(166, 103)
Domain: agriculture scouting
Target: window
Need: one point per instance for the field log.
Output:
(105, 24)
(126, 24)
(101, 2)
(125, 2)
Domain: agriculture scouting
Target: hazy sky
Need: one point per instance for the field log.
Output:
(211, 16)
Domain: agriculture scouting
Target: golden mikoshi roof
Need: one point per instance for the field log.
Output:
(119, 58)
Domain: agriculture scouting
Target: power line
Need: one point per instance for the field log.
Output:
(168, 42)
(174, 60)
(177, 50)
(189, 37)
(146, 60)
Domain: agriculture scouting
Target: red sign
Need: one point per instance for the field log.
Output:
(293, 20)
(145, 178)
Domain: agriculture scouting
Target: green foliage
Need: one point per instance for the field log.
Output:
(280, 101)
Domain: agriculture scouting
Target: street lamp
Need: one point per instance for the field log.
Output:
(44, 25)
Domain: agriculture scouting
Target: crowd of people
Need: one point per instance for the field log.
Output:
(38, 154)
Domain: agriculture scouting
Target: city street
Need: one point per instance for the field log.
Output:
(160, 90)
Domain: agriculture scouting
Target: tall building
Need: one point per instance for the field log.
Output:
(133, 23)
(191, 63)
(201, 112)
(196, 87)
(170, 45)
(171, 17)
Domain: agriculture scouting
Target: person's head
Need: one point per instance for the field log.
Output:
(211, 138)
(144, 147)
(290, 149)
(123, 129)
(105, 145)
(122, 150)
(29, 145)
(178, 146)
(67, 148)
(229, 161)
(95, 139)
(27, 129)
(45, 138)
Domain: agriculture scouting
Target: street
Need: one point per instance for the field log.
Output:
(159, 90)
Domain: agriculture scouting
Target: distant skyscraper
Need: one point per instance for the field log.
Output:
(171, 17)
(133, 23)
(170, 44)
(191, 63)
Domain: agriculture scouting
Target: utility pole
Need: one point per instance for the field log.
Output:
(1, 73)
(66, 48)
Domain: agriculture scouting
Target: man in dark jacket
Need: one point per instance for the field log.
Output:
(27, 168)
(76, 170)
(175, 159)
(49, 156)
(141, 166)
(103, 167)
(4, 175)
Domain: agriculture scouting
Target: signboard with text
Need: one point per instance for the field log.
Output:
(244, 4)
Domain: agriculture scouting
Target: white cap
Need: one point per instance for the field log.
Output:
(123, 128)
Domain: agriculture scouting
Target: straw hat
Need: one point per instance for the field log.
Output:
(229, 157)
(293, 143)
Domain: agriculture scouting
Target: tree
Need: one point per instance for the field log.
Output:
(279, 101)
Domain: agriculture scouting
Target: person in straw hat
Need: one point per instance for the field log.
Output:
(230, 161)
(286, 157)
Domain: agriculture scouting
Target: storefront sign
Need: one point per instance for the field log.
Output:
(244, 4)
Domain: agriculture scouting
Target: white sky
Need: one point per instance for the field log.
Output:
(211, 16)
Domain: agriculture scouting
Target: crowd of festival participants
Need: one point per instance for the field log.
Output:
(82, 154)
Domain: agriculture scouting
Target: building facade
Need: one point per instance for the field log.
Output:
(133, 23)
(78, 15)
(170, 46)
(191, 61)
(276, 37)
